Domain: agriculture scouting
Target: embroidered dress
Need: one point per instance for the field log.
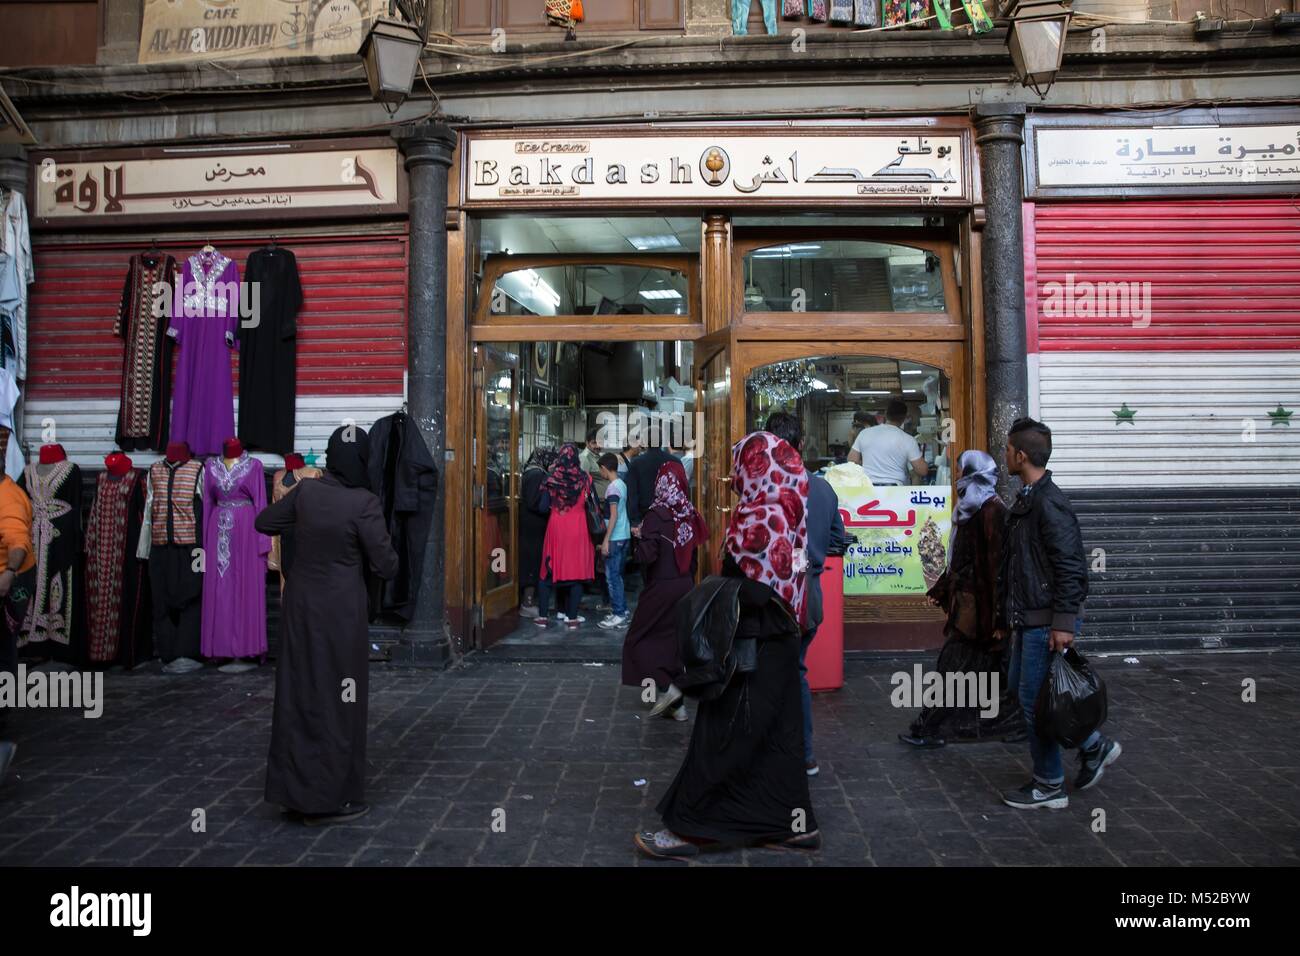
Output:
(50, 626)
(117, 600)
(234, 578)
(147, 353)
(203, 328)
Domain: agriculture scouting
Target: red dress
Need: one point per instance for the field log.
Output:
(567, 551)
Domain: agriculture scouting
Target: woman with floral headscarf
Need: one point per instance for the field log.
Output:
(967, 593)
(666, 543)
(532, 524)
(568, 556)
(744, 782)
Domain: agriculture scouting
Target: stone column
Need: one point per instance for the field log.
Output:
(999, 136)
(428, 150)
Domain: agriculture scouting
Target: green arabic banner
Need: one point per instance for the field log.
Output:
(899, 533)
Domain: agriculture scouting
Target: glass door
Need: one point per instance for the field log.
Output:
(496, 492)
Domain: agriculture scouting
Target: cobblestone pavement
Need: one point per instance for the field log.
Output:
(1205, 777)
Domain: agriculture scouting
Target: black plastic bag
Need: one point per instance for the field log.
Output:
(1072, 701)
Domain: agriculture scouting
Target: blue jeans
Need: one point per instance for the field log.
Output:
(1030, 660)
(614, 575)
(805, 694)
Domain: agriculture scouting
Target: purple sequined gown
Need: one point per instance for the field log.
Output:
(234, 577)
(208, 311)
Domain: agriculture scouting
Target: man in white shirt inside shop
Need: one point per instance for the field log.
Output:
(886, 451)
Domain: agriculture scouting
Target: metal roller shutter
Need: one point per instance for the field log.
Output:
(351, 335)
(1165, 337)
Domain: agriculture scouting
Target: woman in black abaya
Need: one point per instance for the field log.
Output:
(744, 781)
(317, 763)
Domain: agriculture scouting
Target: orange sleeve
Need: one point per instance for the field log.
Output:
(16, 523)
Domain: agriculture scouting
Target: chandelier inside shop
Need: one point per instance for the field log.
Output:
(782, 381)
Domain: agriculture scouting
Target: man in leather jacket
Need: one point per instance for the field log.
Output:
(1041, 591)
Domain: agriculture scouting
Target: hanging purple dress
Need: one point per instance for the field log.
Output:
(203, 325)
(234, 555)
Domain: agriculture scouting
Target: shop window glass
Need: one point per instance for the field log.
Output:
(843, 276)
(591, 289)
(521, 235)
(836, 396)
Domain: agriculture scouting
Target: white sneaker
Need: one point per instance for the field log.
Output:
(615, 620)
(565, 619)
(669, 699)
(680, 712)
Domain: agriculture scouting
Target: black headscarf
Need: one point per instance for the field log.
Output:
(347, 457)
(543, 457)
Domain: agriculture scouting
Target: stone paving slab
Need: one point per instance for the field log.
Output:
(556, 750)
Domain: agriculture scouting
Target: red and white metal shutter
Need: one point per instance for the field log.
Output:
(1185, 314)
(351, 337)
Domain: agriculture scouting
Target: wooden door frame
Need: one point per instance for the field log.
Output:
(950, 357)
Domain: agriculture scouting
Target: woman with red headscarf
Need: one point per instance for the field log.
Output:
(669, 535)
(744, 782)
(568, 556)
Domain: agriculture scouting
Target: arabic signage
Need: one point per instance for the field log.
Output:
(250, 29)
(1168, 156)
(867, 168)
(289, 183)
(900, 533)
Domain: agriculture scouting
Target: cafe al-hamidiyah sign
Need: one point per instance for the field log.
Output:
(293, 183)
(1168, 156)
(248, 29)
(866, 167)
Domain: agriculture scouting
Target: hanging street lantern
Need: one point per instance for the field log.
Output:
(391, 52)
(1037, 41)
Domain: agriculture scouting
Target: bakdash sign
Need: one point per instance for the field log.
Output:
(869, 168)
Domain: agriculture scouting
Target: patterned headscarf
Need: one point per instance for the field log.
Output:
(543, 457)
(977, 484)
(566, 481)
(672, 502)
(768, 534)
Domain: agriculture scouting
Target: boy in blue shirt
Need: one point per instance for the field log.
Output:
(618, 538)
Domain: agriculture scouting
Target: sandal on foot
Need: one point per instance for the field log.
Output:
(664, 845)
